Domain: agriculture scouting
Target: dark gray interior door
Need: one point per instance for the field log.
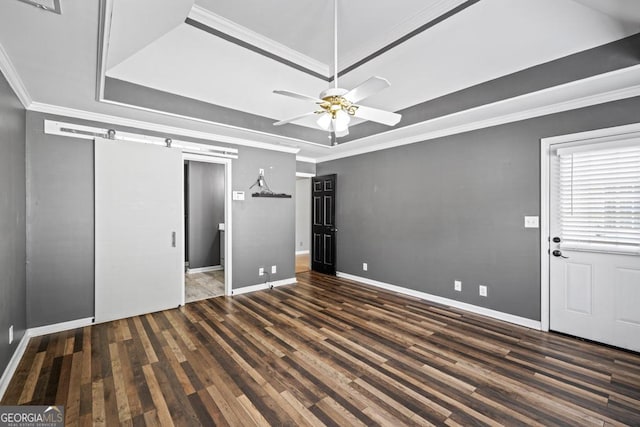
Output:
(323, 226)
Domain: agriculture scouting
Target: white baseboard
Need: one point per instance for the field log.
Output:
(13, 364)
(302, 252)
(499, 315)
(36, 332)
(59, 327)
(205, 269)
(263, 286)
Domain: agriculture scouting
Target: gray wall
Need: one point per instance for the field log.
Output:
(306, 167)
(426, 214)
(142, 96)
(12, 222)
(263, 231)
(303, 213)
(206, 211)
(60, 239)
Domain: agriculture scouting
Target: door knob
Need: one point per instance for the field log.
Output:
(558, 253)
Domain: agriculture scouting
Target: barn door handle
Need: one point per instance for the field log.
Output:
(558, 253)
(173, 239)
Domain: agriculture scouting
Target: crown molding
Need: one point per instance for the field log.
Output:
(150, 126)
(305, 175)
(282, 140)
(104, 34)
(627, 131)
(226, 26)
(12, 76)
(305, 159)
(613, 86)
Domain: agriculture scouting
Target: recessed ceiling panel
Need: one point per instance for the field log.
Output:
(195, 64)
(494, 38)
(625, 11)
(135, 24)
(490, 39)
(307, 26)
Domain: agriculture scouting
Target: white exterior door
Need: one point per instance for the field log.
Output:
(594, 255)
(138, 229)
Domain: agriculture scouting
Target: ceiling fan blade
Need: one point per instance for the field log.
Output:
(343, 133)
(363, 90)
(297, 95)
(293, 119)
(379, 116)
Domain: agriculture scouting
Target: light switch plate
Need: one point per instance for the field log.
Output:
(531, 222)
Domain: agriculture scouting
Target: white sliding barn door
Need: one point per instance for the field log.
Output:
(138, 229)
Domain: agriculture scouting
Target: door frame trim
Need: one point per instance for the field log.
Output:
(592, 136)
(228, 240)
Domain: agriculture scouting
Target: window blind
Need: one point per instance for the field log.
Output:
(599, 199)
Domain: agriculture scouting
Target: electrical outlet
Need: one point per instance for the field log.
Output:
(261, 171)
(457, 285)
(261, 271)
(531, 222)
(483, 291)
(10, 334)
(274, 270)
(364, 266)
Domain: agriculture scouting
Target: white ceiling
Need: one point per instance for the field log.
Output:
(363, 25)
(126, 37)
(151, 45)
(488, 40)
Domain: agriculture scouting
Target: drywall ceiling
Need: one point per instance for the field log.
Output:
(307, 26)
(125, 35)
(464, 50)
(232, 55)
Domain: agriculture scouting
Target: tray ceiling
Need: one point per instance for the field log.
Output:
(232, 55)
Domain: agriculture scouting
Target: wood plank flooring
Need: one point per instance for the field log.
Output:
(326, 351)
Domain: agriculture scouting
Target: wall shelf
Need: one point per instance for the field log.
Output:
(272, 195)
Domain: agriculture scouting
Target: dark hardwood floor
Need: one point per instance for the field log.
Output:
(326, 351)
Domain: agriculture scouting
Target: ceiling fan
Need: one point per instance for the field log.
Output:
(338, 105)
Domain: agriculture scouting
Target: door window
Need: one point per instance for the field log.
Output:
(599, 197)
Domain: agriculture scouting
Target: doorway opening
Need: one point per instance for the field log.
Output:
(207, 228)
(303, 224)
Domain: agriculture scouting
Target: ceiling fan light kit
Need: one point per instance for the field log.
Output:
(338, 105)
